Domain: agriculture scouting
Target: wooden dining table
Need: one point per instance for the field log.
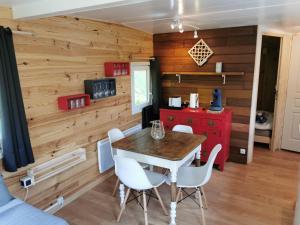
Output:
(171, 152)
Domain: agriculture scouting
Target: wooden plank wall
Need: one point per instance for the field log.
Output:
(55, 61)
(235, 47)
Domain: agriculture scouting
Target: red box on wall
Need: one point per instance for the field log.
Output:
(71, 102)
(115, 69)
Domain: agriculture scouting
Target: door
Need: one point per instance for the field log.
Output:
(291, 132)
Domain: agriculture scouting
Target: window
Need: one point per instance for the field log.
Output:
(140, 86)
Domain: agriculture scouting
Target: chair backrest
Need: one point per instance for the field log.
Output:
(183, 129)
(210, 162)
(132, 174)
(114, 135)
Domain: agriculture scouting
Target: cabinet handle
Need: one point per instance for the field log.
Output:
(170, 118)
(189, 121)
(211, 123)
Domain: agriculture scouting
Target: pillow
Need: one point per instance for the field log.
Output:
(5, 196)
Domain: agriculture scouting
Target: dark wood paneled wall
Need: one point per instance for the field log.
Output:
(235, 47)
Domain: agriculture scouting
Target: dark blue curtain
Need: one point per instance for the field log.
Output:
(17, 151)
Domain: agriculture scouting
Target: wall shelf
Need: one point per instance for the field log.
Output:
(71, 102)
(223, 74)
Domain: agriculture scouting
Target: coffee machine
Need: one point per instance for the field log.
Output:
(216, 104)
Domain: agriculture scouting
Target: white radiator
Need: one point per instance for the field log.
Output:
(105, 161)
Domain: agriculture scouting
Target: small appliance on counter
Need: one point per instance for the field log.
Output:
(194, 100)
(216, 104)
(175, 101)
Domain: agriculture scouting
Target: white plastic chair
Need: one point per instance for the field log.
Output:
(183, 128)
(132, 174)
(114, 135)
(188, 130)
(197, 177)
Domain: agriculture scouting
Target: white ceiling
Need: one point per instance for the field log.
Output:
(155, 16)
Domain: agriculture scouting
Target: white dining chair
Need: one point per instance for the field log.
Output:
(132, 174)
(114, 135)
(188, 130)
(197, 177)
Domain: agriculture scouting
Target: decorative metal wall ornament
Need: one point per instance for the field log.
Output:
(200, 52)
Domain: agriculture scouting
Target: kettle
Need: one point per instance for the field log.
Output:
(194, 100)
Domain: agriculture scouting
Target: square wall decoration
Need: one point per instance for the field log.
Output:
(200, 52)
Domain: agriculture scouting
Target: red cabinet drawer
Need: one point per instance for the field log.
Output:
(212, 123)
(193, 121)
(169, 120)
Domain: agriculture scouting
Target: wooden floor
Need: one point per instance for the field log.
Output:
(261, 193)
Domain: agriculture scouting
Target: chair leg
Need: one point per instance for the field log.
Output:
(201, 206)
(123, 205)
(204, 198)
(116, 187)
(161, 202)
(179, 195)
(145, 208)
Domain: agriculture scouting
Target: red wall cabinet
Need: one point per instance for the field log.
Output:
(115, 69)
(217, 128)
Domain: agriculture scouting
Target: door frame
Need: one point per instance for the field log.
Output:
(282, 81)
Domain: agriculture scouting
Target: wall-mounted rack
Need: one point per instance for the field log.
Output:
(57, 165)
(223, 74)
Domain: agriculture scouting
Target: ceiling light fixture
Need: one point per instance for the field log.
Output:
(179, 25)
(173, 25)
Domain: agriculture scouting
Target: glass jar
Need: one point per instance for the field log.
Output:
(157, 130)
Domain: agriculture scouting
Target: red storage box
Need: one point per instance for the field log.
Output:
(71, 102)
(115, 69)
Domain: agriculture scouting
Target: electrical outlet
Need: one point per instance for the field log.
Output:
(243, 151)
(26, 181)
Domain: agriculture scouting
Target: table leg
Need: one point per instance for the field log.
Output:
(173, 198)
(122, 193)
(198, 157)
(198, 162)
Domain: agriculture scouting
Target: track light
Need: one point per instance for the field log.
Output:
(180, 26)
(172, 25)
(195, 34)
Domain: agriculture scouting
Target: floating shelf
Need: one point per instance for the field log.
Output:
(72, 102)
(223, 74)
(116, 69)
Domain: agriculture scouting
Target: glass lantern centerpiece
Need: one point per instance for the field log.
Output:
(157, 130)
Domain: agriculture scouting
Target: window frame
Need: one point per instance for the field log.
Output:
(133, 67)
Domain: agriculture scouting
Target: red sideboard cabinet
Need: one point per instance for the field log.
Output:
(217, 128)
